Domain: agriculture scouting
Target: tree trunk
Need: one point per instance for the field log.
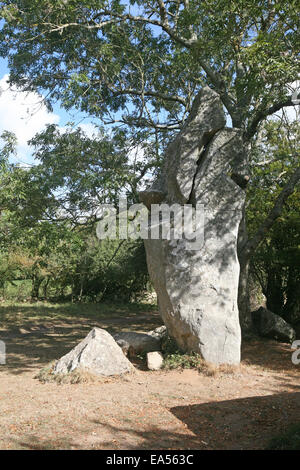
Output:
(45, 288)
(246, 248)
(291, 310)
(244, 297)
(36, 283)
(243, 291)
(197, 285)
(274, 292)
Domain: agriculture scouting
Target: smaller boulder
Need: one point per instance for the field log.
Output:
(270, 325)
(98, 353)
(137, 342)
(155, 360)
(124, 346)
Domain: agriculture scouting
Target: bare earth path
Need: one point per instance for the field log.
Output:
(147, 410)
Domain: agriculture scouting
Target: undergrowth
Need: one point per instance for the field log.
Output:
(174, 358)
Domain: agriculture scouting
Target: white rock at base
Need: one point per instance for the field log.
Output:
(154, 360)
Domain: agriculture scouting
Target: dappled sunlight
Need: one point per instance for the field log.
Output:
(40, 333)
(235, 408)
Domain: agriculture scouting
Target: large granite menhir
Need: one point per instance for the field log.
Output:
(197, 289)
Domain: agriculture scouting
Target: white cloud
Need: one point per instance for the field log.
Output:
(292, 112)
(24, 114)
(90, 129)
(137, 155)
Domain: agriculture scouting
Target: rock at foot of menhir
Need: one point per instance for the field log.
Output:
(97, 353)
(270, 325)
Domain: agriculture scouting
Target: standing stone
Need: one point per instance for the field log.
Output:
(98, 353)
(197, 289)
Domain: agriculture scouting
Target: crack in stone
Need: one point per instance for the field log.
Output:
(207, 138)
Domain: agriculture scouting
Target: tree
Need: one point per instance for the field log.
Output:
(49, 213)
(276, 262)
(141, 64)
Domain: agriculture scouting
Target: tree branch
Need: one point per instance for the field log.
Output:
(130, 91)
(275, 212)
(264, 113)
(165, 26)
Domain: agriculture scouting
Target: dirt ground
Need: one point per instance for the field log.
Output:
(146, 410)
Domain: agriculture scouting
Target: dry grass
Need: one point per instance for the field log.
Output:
(195, 361)
(77, 376)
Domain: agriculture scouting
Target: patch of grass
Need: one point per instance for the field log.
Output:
(189, 361)
(228, 369)
(19, 314)
(181, 361)
(289, 440)
(174, 358)
(77, 376)
(46, 373)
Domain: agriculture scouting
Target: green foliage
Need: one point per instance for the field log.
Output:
(48, 219)
(277, 260)
(16, 291)
(8, 149)
(103, 59)
(174, 358)
(183, 361)
(139, 74)
(111, 269)
(86, 170)
(63, 262)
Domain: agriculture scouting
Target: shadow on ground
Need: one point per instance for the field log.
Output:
(37, 334)
(241, 424)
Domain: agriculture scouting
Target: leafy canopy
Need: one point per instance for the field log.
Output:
(141, 62)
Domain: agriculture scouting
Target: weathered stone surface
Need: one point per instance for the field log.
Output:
(181, 160)
(160, 332)
(270, 325)
(155, 360)
(153, 196)
(197, 288)
(97, 353)
(137, 342)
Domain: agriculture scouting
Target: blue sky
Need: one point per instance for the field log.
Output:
(23, 114)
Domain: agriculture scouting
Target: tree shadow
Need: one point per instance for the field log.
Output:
(36, 335)
(270, 355)
(246, 423)
(239, 424)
